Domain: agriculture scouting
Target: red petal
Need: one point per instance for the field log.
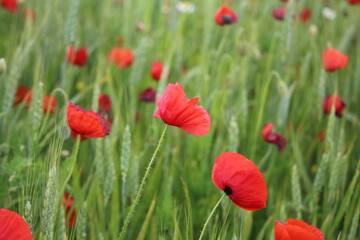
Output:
(23, 94)
(225, 16)
(70, 213)
(49, 104)
(334, 60)
(244, 179)
(122, 57)
(280, 231)
(267, 130)
(299, 230)
(13, 226)
(10, 5)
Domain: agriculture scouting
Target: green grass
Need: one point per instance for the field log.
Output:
(256, 71)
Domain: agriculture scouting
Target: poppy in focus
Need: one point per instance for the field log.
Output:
(334, 100)
(122, 57)
(148, 95)
(87, 124)
(174, 109)
(279, 13)
(334, 60)
(70, 212)
(156, 70)
(274, 138)
(10, 5)
(225, 16)
(77, 57)
(13, 226)
(295, 230)
(353, 2)
(241, 180)
(104, 103)
(305, 15)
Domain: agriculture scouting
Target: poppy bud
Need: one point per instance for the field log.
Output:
(2, 65)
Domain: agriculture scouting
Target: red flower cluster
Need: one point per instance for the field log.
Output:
(148, 95)
(13, 226)
(334, 100)
(77, 57)
(122, 57)
(240, 179)
(334, 60)
(10, 5)
(225, 16)
(174, 109)
(275, 138)
(70, 212)
(296, 230)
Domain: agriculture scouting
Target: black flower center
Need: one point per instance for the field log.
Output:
(226, 19)
(228, 190)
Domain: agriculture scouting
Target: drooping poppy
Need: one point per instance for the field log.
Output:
(70, 212)
(274, 138)
(87, 124)
(333, 60)
(334, 100)
(23, 94)
(279, 13)
(122, 57)
(148, 95)
(241, 180)
(353, 2)
(10, 5)
(296, 230)
(156, 70)
(305, 15)
(104, 103)
(49, 104)
(225, 16)
(13, 226)
(176, 110)
(77, 57)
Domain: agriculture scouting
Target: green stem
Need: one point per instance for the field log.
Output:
(210, 215)
(141, 187)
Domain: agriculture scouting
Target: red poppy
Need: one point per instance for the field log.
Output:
(10, 5)
(275, 138)
(156, 70)
(334, 60)
(305, 15)
(334, 100)
(70, 212)
(225, 16)
(87, 124)
(174, 109)
(148, 95)
(296, 230)
(29, 14)
(353, 2)
(49, 104)
(122, 57)
(104, 103)
(241, 180)
(23, 94)
(13, 226)
(279, 13)
(77, 57)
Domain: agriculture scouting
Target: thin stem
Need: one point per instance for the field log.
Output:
(210, 215)
(141, 187)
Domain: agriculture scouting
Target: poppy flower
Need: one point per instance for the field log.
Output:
(279, 13)
(122, 57)
(334, 100)
(13, 226)
(77, 57)
(274, 138)
(29, 14)
(70, 212)
(148, 95)
(156, 70)
(104, 103)
(296, 230)
(10, 5)
(241, 180)
(87, 124)
(305, 15)
(225, 16)
(176, 110)
(334, 60)
(353, 2)
(23, 94)
(49, 104)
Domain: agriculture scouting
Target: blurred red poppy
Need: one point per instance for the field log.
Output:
(321, 135)
(225, 16)
(156, 70)
(77, 57)
(305, 14)
(334, 60)
(29, 14)
(279, 13)
(49, 104)
(10, 5)
(353, 2)
(334, 100)
(241, 180)
(122, 57)
(104, 103)
(148, 95)
(174, 109)
(275, 138)
(70, 212)
(87, 124)
(296, 230)
(13, 226)
(23, 94)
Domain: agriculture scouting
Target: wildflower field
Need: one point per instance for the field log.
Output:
(165, 119)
